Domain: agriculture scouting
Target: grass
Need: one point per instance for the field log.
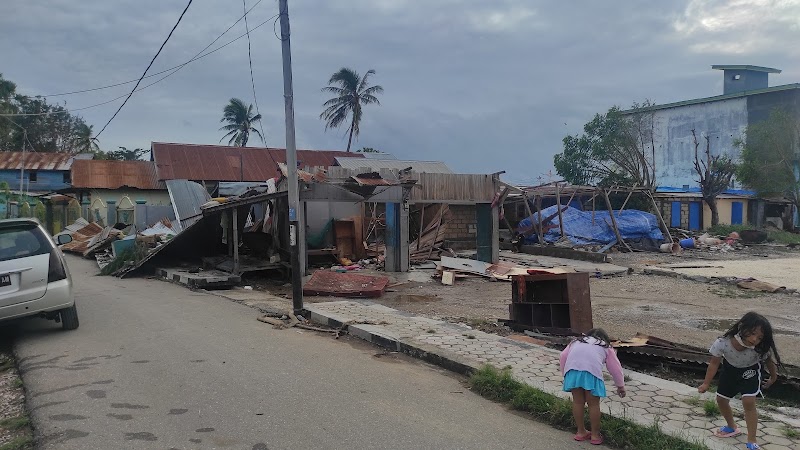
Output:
(711, 408)
(17, 383)
(18, 443)
(735, 292)
(14, 423)
(693, 401)
(790, 432)
(499, 385)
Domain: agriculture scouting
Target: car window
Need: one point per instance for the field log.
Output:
(20, 240)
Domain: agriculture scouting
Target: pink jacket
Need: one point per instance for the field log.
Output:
(590, 357)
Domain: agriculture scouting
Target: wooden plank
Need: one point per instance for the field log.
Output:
(614, 220)
(448, 277)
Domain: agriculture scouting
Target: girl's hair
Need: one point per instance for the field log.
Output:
(747, 325)
(599, 334)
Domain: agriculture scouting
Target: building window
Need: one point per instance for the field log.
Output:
(32, 177)
(67, 178)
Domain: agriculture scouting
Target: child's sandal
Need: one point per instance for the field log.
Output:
(726, 432)
(752, 446)
(579, 437)
(597, 441)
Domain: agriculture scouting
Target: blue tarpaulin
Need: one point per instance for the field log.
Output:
(578, 226)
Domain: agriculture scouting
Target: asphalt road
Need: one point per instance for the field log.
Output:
(154, 365)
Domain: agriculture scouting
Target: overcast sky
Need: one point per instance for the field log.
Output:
(483, 85)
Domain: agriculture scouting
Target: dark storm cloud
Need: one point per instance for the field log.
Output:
(484, 86)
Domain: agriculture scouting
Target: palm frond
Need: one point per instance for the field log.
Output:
(363, 82)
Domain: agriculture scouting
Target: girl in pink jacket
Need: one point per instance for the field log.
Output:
(582, 367)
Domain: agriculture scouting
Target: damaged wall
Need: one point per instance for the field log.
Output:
(463, 225)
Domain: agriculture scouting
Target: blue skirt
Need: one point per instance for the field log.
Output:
(583, 379)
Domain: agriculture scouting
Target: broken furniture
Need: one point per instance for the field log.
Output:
(558, 303)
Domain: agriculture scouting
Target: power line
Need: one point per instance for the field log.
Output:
(145, 70)
(165, 70)
(172, 69)
(252, 79)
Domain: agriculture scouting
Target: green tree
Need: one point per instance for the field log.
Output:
(123, 154)
(769, 157)
(83, 140)
(715, 174)
(615, 148)
(241, 121)
(352, 94)
(45, 127)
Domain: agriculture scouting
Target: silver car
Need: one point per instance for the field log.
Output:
(34, 278)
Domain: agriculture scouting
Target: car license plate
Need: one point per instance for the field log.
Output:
(5, 280)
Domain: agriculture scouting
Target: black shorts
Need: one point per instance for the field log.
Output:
(735, 380)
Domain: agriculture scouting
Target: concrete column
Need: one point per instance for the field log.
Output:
(111, 213)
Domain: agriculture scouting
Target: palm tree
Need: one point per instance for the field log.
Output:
(240, 120)
(82, 140)
(352, 93)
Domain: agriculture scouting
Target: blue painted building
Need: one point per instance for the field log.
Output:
(41, 173)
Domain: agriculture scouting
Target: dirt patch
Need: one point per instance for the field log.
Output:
(15, 429)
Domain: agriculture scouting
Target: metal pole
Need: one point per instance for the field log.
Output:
(291, 160)
(22, 165)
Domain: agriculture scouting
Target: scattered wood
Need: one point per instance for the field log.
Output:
(431, 237)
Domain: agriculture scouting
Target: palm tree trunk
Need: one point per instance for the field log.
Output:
(350, 139)
(245, 136)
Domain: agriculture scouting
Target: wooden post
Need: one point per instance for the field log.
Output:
(560, 216)
(539, 230)
(660, 217)
(236, 241)
(614, 221)
(421, 222)
(626, 200)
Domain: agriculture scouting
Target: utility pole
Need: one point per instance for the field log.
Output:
(291, 162)
(22, 164)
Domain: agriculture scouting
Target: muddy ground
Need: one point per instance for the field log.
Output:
(680, 310)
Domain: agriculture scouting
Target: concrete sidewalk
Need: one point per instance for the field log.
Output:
(459, 348)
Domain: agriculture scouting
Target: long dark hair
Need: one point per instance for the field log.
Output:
(745, 327)
(599, 334)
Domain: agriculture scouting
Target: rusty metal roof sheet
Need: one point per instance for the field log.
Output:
(224, 163)
(355, 163)
(100, 174)
(35, 161)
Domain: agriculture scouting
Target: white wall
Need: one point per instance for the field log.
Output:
(724, 121)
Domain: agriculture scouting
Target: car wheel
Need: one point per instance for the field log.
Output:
(69, 318)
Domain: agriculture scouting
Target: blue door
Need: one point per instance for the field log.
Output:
(675, 216)
(695, 213)
(736, 213)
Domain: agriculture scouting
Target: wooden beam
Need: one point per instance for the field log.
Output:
(664, 228)
(421, 222)
(539, 230)
(235, 212)
(560, 216)
(626, 201)
(614, 221)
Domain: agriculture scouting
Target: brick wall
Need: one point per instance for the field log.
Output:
(462, 225)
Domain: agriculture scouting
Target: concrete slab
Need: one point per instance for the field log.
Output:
(204, 279)
(605, 269)
(778, 271)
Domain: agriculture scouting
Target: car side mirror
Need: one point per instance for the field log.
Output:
(63, 239)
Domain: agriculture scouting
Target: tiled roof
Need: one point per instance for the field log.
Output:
(224, 163)
(35, 161)
(101, 174)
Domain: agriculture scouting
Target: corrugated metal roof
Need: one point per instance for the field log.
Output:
(35, 161)
(223, 163)
(187, 197)
(100, 174)
(393, 164)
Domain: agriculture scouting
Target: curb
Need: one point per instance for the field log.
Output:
(198, 281)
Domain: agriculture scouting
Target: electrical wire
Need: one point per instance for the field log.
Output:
(196, 56)
(252, 79)
(172, 69)
(145, 70)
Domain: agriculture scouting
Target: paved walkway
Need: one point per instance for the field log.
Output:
(649, 400)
